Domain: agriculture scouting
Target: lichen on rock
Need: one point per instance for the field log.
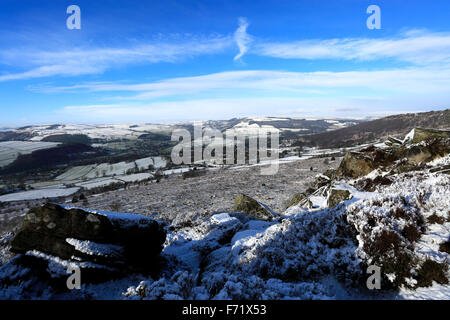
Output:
(250, 206)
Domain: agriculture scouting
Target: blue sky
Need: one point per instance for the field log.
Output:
(164, 61)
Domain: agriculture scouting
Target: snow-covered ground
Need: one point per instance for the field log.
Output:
(306, 254)
(38, 194)
(178, 200)
(109, 169)
(101, 182)
(10, 150)
(312, 252)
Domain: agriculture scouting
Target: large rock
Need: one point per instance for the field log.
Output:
(417, 135)
(355, 165)
(420, 146)
(336, 196)
(94, 240)
(427, 151)
(250, 206)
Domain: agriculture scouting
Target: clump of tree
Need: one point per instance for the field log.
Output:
(77, 198)
(68, 138)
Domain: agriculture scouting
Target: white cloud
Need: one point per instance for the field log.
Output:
(418, 47)
(75, 62)
(316, 94)
(424, 80)
(242, 38)
(52, 70)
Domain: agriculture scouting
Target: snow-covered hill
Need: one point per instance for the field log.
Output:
(385, 207)
(133, 131)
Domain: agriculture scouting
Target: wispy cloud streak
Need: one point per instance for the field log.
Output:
(242, 38)
(418, 47)
(75, 62)
(400, 81)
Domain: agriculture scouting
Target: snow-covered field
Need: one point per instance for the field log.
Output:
(101, 182)
(110, 169)
(38, 194)
(10, 150)
(88, 177)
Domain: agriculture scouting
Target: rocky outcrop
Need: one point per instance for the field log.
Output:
(320, 181)
(419, 147)
(336, 196)
(395, 156)
(250, 206)
(99, 243)
(427, 151)
(417, 135)
(356, 165)
(391, 141)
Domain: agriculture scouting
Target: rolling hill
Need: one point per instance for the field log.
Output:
(369, 131)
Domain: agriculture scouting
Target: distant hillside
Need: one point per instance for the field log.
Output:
(49, 158)
(369, 131)
(14, 136)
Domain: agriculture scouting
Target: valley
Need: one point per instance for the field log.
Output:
(307, 232)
